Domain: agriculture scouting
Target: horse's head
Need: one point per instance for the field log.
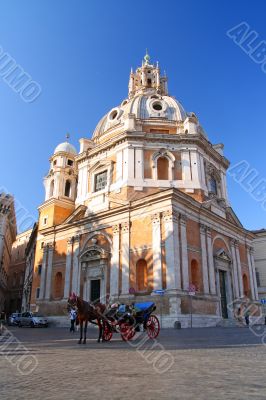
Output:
(72, 301)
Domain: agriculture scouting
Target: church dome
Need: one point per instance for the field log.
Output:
(144, 106)
(148, 107)
(65, 147)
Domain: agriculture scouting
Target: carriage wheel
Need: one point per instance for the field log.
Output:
(153, 327)
(107, 332)
(127, 331)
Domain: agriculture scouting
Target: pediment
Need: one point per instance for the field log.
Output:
(231, 217)
(222, 254)
(77, 215)
(93, 253)
(100, 164)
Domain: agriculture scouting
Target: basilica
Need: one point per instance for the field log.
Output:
(141, 212)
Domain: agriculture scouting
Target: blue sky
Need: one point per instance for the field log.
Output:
(80, 52)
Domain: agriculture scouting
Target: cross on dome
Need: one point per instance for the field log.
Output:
(147, 58)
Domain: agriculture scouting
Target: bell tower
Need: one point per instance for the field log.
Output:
(60, 186)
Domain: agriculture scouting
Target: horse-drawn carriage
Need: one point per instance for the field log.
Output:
(118, 318)
(129, 319)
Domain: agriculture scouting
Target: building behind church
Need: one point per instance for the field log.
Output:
(8, 231)
(260, 264)
(16, 272)
(143, 206)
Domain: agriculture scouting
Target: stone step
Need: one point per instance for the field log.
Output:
(231, 323)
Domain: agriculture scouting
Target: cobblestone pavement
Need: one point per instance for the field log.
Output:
(214, 363)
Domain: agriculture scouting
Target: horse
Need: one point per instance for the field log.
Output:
(87, 312)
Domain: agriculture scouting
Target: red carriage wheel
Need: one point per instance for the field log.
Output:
(107, 332)
(127, 331)
(153, 327)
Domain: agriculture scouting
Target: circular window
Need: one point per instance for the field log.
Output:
(113, 114)
(157, 106)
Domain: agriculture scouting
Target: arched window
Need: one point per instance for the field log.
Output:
(213, 185)
(245, 284)
(51, 188)
(142, 275)
(195, 276)
(162, 168)
(58, 286)
(67, 188)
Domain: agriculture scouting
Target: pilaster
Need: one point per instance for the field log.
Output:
(114, 271)
(49, 271)
(210, 262)
(204, 259)
(68, 267)
(172, 254)
(184, 252)
(76, 268)
(125, 227)
(43, 273)
(157, 251)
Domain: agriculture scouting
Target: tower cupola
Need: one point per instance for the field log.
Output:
(61, 181)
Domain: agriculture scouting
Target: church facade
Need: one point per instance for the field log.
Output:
(143, 208)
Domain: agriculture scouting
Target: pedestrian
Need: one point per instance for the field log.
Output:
(73, 316)
(238, 314)
(247, 316)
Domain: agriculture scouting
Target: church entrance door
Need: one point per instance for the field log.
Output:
(95, 290)
(222, 278)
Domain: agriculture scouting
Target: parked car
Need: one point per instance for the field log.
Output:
(13, 319)
(32, 319)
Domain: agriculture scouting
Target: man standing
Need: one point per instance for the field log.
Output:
(73, 316)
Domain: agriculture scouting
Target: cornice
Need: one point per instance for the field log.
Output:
(204, 216)
(197, 139)
(52, 201)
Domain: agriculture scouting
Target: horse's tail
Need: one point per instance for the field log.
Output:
(77, 321)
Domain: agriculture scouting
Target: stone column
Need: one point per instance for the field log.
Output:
(254, 274)
(43, 273)
(223, 186)
(114, 271)
(250, 270)
(156, 251)
(234, 268)
(239, 270)
(173, 275)
(186, 168)
(68, 268)
(88, 289)
(184, 253)
(125, 257)
(210, 262)
(202, 168)
(139, 163)
(195, 167)
(49, 271)
(204, 260)
(75, 273)
(103, 268)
